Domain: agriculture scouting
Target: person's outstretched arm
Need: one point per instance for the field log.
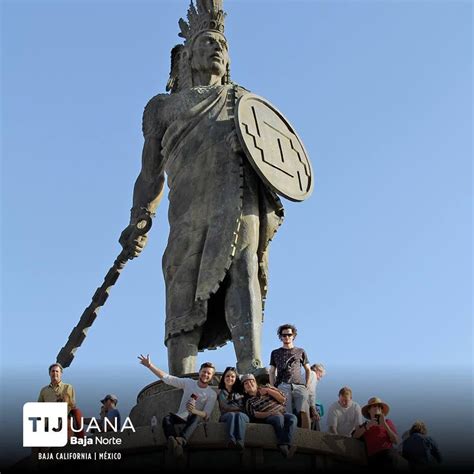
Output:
(147, 363)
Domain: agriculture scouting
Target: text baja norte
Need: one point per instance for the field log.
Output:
(96, 440)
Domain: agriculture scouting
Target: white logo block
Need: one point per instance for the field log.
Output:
(44, 424)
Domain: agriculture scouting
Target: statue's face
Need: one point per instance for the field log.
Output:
(210, 53)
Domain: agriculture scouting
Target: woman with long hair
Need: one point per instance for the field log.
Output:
(231, 405)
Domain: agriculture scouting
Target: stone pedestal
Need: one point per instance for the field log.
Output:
(146, 448)
(208, 445)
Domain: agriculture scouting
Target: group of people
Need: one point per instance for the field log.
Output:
(58, 391)
(370, 423)
(288, 401)
(240, 401)
(285, 403)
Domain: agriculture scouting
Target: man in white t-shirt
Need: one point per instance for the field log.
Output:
(345, 415)
(196, 404)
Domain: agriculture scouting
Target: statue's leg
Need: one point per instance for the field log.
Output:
(243, 303)
(182, 352)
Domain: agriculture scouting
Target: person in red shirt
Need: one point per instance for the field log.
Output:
(379, 434)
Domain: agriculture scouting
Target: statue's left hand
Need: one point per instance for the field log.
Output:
(233, 141)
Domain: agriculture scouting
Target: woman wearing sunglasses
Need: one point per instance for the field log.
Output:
(230, 400)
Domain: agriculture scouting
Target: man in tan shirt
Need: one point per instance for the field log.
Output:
(57, 390)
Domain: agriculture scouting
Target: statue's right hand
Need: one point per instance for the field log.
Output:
(132, 242)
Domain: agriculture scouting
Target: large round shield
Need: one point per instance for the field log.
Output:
(273, 148)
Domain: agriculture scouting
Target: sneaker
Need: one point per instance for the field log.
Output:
(283, 448)
(291, 451)
(172, 444)
(179, 452)
(175, 448)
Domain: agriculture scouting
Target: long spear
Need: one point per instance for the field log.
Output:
(79, 333)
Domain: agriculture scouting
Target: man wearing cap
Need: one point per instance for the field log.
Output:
(344, 416)
(267, 405)
(379, 434)
(57, 390)
(196, 405)
(110, 412)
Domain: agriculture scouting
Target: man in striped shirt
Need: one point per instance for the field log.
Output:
(267, 405)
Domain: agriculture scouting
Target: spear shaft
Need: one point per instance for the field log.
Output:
(79, 332)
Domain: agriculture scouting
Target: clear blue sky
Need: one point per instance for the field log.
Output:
(375, 269)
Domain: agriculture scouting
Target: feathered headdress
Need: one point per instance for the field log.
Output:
(206, 15)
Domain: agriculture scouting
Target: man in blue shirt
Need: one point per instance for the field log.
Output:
(111, 413)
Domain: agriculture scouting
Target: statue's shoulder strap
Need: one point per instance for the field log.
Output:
(239, 90)
(154, 116)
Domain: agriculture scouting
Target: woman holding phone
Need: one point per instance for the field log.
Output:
(379, 434)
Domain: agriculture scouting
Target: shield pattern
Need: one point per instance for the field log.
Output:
(273, 148)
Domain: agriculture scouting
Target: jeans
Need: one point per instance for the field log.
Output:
(296, 397)
(171, 420)
(284, 426)
(236, 424)
(315, 425)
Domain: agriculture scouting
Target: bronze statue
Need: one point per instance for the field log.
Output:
(221, 214)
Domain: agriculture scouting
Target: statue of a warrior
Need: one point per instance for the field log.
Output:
(221, 214)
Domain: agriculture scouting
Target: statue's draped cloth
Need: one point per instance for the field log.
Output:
(207, 182)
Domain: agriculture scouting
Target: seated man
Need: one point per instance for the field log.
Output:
(344, 416)
(196, 404)
(267, 405)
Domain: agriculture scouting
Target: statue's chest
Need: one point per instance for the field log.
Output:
(180, 104)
